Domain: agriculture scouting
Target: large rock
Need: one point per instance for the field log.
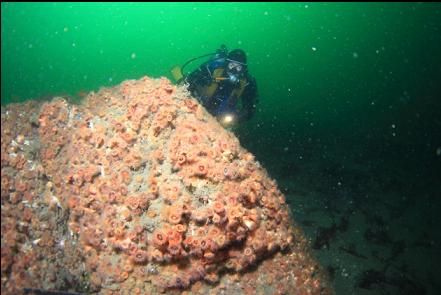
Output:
(139, 190)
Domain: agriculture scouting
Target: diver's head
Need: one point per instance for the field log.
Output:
(236, 65)
(238, 55)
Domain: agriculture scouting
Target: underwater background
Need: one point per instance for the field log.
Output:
(348, 121)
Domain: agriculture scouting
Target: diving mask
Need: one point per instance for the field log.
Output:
(235, 71)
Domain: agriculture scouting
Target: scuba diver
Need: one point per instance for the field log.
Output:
(220, 83)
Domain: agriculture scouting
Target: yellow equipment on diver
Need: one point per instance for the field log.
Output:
(217, 79)
(177, 74)
(178, 71)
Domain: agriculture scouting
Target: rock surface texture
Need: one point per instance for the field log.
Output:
(138, 190)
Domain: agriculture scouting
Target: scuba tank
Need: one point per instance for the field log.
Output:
(178, 71)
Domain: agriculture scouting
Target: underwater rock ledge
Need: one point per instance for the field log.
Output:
(139, 190)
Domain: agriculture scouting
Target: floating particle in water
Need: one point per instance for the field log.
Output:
(65, 29)
(393, 126)
(438, 151)
(133, 56)
(314, 48)
(354, 54)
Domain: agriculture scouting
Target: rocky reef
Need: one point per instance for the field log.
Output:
(138, 190)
